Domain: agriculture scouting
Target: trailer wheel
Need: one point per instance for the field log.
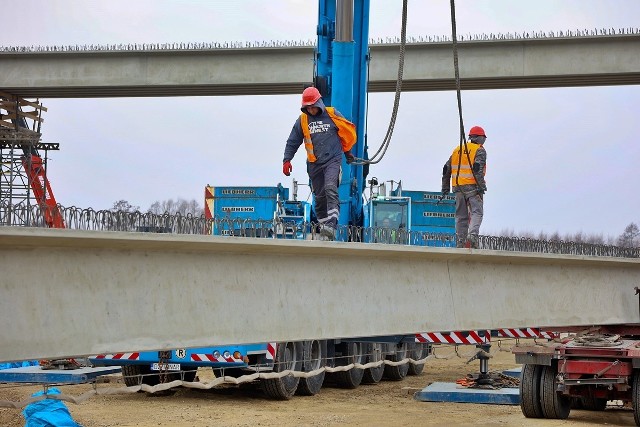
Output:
(530, 404)
(134, 375)
(288, 357)
(593, 403)
(576, 403)
(397, 373)
(314, 356)
(635, 398)
(188, 374)
(228, 372)
(373, 354)
(352, 353)
(555, 405)
(417, 351)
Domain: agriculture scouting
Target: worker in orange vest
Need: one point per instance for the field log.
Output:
(327, 136)
(465, 170)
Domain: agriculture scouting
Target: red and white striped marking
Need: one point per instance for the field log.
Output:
(454, 337)
(271, 351)
(119, 356)
(526, 333)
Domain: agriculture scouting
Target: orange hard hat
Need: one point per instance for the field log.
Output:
(477, 130)
(310, 96)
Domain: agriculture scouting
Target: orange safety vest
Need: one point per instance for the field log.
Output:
(465, 177)
(346, 132)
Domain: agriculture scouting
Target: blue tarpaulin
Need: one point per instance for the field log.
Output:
(48, 412)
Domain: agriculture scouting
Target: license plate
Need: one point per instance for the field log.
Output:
(165, 367)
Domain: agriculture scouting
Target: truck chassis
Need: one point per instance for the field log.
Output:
(582, 371)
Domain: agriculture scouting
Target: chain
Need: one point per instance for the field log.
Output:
(493, 380)
(163, 366)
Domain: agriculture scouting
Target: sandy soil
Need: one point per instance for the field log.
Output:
(385, 404)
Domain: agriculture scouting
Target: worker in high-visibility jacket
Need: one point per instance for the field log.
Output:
(465, 170)
(327, 137)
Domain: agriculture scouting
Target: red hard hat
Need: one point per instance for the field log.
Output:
(477, 130)
(310, 96)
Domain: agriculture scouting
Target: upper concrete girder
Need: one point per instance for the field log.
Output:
(501, 64)
(70, 293)
(511, 64)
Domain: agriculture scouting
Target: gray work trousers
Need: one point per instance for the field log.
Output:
(324, 184)
(469, 212)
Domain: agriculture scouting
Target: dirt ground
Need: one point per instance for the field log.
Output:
(389, 403)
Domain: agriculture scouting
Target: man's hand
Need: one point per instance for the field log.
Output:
(287, 168)
(445, 191)
(349, 157)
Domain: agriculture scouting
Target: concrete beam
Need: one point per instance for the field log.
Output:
(503, 64)
(71, 293)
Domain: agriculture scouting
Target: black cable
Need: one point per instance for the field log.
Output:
(374, 159)
(463, 140)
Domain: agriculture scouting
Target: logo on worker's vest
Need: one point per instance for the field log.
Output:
(318, 127)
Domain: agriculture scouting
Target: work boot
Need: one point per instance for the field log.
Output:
(328, 231)
(473, 241)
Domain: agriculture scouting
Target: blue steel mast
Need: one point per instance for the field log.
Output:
(341, 77)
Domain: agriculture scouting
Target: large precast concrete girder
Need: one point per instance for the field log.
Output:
(71, 293)
(490, 64)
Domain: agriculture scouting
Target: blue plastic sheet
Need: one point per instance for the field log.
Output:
(48, 412)
(18, 364)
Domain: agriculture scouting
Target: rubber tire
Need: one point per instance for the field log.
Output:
(417, 351)
(635, 398)
(593, 403)
(314, 356)
(576, 403)
(228, 372)
(188, 375)
(555, 405)
(288, 356)
(530, 403)
(373, 354)
(352, 353)
(131, 375)
(397, 373)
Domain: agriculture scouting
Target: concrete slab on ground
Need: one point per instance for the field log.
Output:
(452, 392)
(35, 374)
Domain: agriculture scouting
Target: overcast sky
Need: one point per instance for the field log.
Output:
(561, 160)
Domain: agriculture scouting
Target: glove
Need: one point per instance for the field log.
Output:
(287, 168)
(445, 191)
(482, 190)
(349, 157)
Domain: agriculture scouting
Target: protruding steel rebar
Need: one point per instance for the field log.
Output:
(142, 47)
(107, 220)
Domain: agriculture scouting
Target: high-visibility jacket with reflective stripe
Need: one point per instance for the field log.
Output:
(465, 177)
(346, 132)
